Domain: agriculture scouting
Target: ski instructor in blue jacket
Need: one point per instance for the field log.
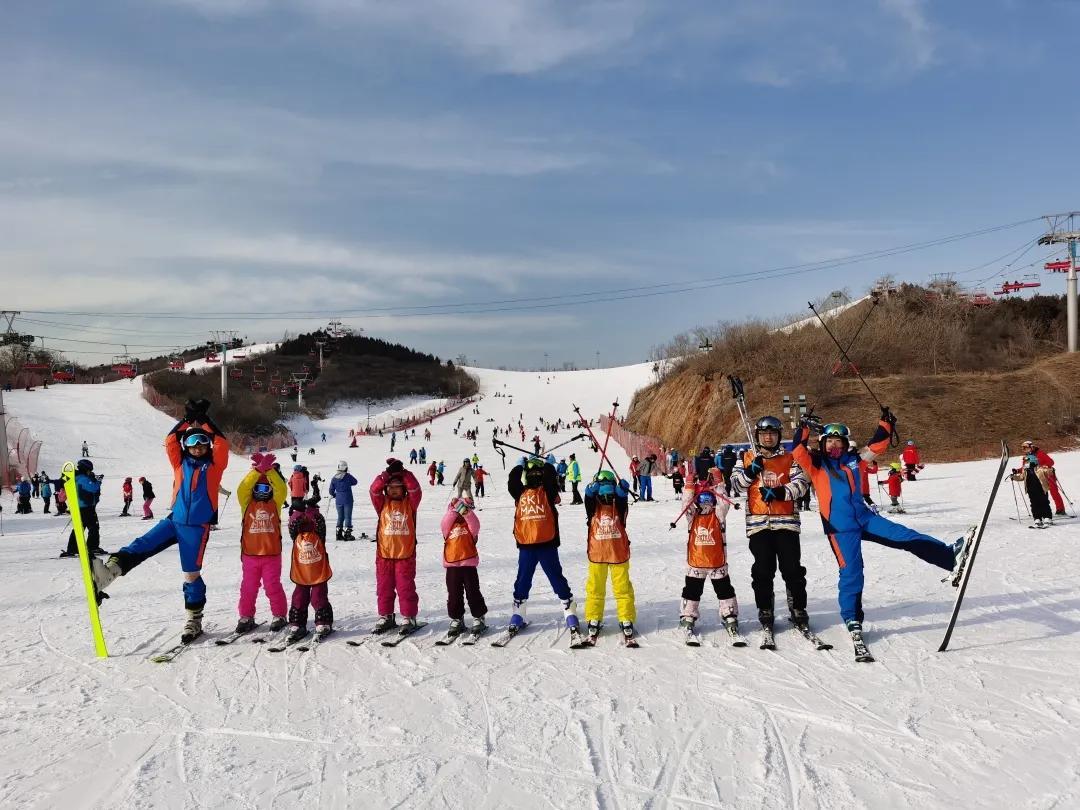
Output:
(341, 491)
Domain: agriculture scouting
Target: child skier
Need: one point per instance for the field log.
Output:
(894, 485)
(298, 487)
(912, 462)
(310, 571)
(534, 487)
(606, 507)
(706, 558)
(431, 471)
(395, 493)
(199, 453)
(833, 469)
(341, 491)
(461, 532)
(148, 499)
(126, 492)
(772, 482)
(261, 496)
(677, 480)
(440, 471)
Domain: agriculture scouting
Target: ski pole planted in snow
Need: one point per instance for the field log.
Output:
(71, 488)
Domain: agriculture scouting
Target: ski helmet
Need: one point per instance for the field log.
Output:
(910, 442)
(85, 465)
(262, 491)
(895, 466)
(835, 430)
(195, 435)
(706, 500)
(343, 466)
(298, 468)
(768, 423)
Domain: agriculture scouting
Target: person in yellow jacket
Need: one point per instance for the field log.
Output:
(261, 495)
(606, 507)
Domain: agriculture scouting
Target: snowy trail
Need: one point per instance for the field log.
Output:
(990, 723)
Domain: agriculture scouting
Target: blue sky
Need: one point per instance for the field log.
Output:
(313, 157)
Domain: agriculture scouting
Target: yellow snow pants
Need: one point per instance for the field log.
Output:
(621, 587)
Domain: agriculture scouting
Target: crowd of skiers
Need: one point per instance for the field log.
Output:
(774, 481)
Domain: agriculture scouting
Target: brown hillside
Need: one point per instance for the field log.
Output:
(952, 417)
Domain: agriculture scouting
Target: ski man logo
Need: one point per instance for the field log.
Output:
(703, 537)
(307, 549)
(397, 523)
(530, 507)
(261, 522)
(770, 479)
(607, 528)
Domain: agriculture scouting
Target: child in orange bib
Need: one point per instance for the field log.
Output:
(310, 572)
(261, 495)
(461, 533)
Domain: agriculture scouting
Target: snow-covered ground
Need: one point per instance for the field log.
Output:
(991, 723)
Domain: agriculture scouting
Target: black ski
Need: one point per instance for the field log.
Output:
(316, 640)
(578, 641)
(473, 635)
(809, 635)
(402, 634)
(862, 652)
(450, 637)
(167, 655)
(290, 640)
(975, 547)
(233, 636)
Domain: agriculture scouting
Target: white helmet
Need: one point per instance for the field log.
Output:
(343, 466)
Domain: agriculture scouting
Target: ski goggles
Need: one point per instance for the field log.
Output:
(835, 429)
(263, 490)
(196, 439)
(534, 463)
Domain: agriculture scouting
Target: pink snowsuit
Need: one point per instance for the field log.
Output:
(396, 577)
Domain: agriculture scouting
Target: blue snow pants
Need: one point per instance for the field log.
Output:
(847, 547)
(645, 487)
(192, 543)
(548, 559)
(344, 515)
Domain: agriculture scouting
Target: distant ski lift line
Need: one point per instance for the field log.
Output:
(650, 290)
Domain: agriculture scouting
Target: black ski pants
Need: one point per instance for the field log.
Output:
(463, 582)
(577, 495)
(93, 531)
(772, 549)
(1040, 502)
(694, 587)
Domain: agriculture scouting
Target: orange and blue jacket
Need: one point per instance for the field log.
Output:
(196, 481)
(838, 482)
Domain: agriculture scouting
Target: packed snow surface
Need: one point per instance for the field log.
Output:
(991, 723)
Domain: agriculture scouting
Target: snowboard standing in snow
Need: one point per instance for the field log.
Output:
(973, 547)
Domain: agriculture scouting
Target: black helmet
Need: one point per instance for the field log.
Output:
(85, 465)
(768, 423)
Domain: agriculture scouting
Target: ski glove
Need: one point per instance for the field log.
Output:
(770, 494)
(263, 462)
(888, 416)
(757, 464)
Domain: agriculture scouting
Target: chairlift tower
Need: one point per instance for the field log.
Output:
(224, 338)
(299, 378)
(1064, 229)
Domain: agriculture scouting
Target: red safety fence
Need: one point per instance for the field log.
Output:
(23, 452)
(636, 444)
(241, 443)
(414, 418)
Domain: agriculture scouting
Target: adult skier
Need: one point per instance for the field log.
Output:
(725, 460)
(534, 487)
(833, 468)
(608, 547)
(1046, 464)
(341, 491)
(646, 471)
(148, 498)
(298, 488)
(23, 491)
(573, 475)
(1035, 481)
(199, 453)
(772, 482)
(463, 481)
(88, 487)
(46, 492)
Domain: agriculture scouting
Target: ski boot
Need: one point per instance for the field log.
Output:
(408, 624)
(593, 631)
(104, 573)
(960, 549)
(339, 535)
(799, 616)
(384, 623)
(478, 625)
(629, 636)
(324, 621)
(277, 624)
(519, 619)
(246, 624)
(348, 534)
(456, 628)
(192, 627)
(766, 618)
(731, 625)
(569, 608)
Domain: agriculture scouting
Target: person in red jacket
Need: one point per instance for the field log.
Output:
(1044, 460)
(126, 489)
(894, 485)
(911, 460)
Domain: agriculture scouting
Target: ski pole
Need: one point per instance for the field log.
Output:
(698, 489)
(739, 395)
(1016, 502)
(894, 438)
(603, 450)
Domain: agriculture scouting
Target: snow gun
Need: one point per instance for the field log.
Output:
(603, 449)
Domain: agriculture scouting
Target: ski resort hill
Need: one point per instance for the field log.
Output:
(990, 723)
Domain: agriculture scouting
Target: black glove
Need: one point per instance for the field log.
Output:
(191, 410)
(770, 494)
(888, 416)
(757, 464)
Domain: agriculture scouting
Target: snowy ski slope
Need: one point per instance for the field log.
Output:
(992, 723)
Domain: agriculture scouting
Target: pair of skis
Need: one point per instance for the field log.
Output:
(577, 640)
(468, 636)
(391, 640)
(768, 637)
